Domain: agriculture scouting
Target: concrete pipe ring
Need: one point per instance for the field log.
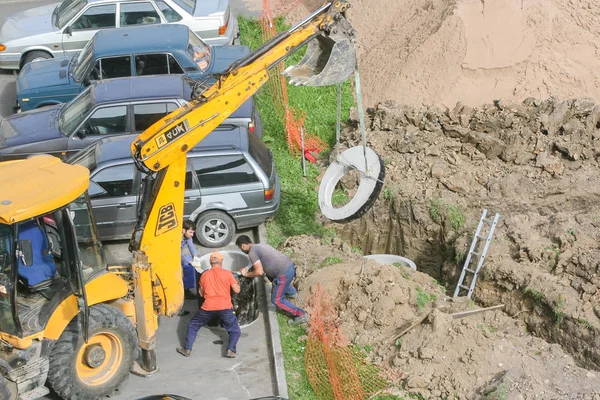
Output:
(370, 184)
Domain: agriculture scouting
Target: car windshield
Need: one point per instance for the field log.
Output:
(6, 131)
(74, 112)
(199, 52)
(82, 61)
(67, 10)
(85, 157)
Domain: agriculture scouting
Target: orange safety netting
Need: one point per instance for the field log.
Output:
(292, 119)
(335, 368)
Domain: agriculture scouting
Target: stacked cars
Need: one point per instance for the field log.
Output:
(118, 53)
(89, 106)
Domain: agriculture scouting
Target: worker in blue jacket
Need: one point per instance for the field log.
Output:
(189, 272)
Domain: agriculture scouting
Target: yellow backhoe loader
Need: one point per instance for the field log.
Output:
(67, 319)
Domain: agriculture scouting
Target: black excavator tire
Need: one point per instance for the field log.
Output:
(63, 377)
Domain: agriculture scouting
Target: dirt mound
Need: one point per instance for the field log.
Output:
(439, 52)
(488, 354)
(537, 164)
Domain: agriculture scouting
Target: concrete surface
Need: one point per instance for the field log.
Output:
(206, 374)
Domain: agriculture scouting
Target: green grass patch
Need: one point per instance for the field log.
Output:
(340, 198)
(559, 310)
(424, 298)
(500, 393)
(537, 296)
(330, 261)
(299, 195)
(293, 360)
(440, 211)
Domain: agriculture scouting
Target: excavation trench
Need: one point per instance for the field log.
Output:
(536, 163)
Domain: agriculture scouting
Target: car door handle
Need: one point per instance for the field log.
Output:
(123, 205)
(188, 199)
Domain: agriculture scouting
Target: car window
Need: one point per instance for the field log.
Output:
(151, 64)
(156, 64)
(117, 180)
(96, 17)
(170, 14)
(138, 14)
(187, 5)
(190, 183)
(260, 153)
(198, 51)
(113, 67)
(174, 67)
(223, 171)
(107, 121)
(147, 114)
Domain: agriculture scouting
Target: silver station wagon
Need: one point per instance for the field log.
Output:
(230, 184)
(63, 29)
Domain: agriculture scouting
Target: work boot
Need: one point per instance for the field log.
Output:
(230, 354)
(302, 319)
(290, 296)
(183, 351)
(189, 295)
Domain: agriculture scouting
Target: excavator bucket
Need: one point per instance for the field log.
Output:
(330, 59)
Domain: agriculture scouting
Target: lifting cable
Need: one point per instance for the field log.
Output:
(371, 179)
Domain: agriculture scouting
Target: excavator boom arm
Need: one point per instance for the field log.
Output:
(180, 131)
(161, 151)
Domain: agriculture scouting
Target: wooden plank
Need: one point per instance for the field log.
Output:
(414, 324)
(463, 314)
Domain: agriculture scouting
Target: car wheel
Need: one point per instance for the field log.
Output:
(214, 229)
(35, 56)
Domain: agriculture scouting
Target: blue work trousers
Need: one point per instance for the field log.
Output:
(189, 276)
(282, 286)
(203, 317)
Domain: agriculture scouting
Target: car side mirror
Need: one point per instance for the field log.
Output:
(26, 252)
(81, 133)
(68, 30)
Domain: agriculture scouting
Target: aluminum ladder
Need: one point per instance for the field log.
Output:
(474, 273)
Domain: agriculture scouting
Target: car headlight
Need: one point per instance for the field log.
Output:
(2, 47)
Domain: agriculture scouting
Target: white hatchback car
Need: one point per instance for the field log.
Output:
(63, 29)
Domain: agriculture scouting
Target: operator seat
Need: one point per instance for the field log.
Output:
(38, 275)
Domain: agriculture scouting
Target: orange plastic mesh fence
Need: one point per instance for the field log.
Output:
(277, 86)
(335, 368)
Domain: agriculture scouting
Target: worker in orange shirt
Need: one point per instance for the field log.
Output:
(215, 286)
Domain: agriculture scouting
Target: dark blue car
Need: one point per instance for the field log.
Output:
(113, 107)
(118, 53)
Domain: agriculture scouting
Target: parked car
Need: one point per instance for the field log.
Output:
(62, 29)
(117, 53)
(231, 183)
(106, 108)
